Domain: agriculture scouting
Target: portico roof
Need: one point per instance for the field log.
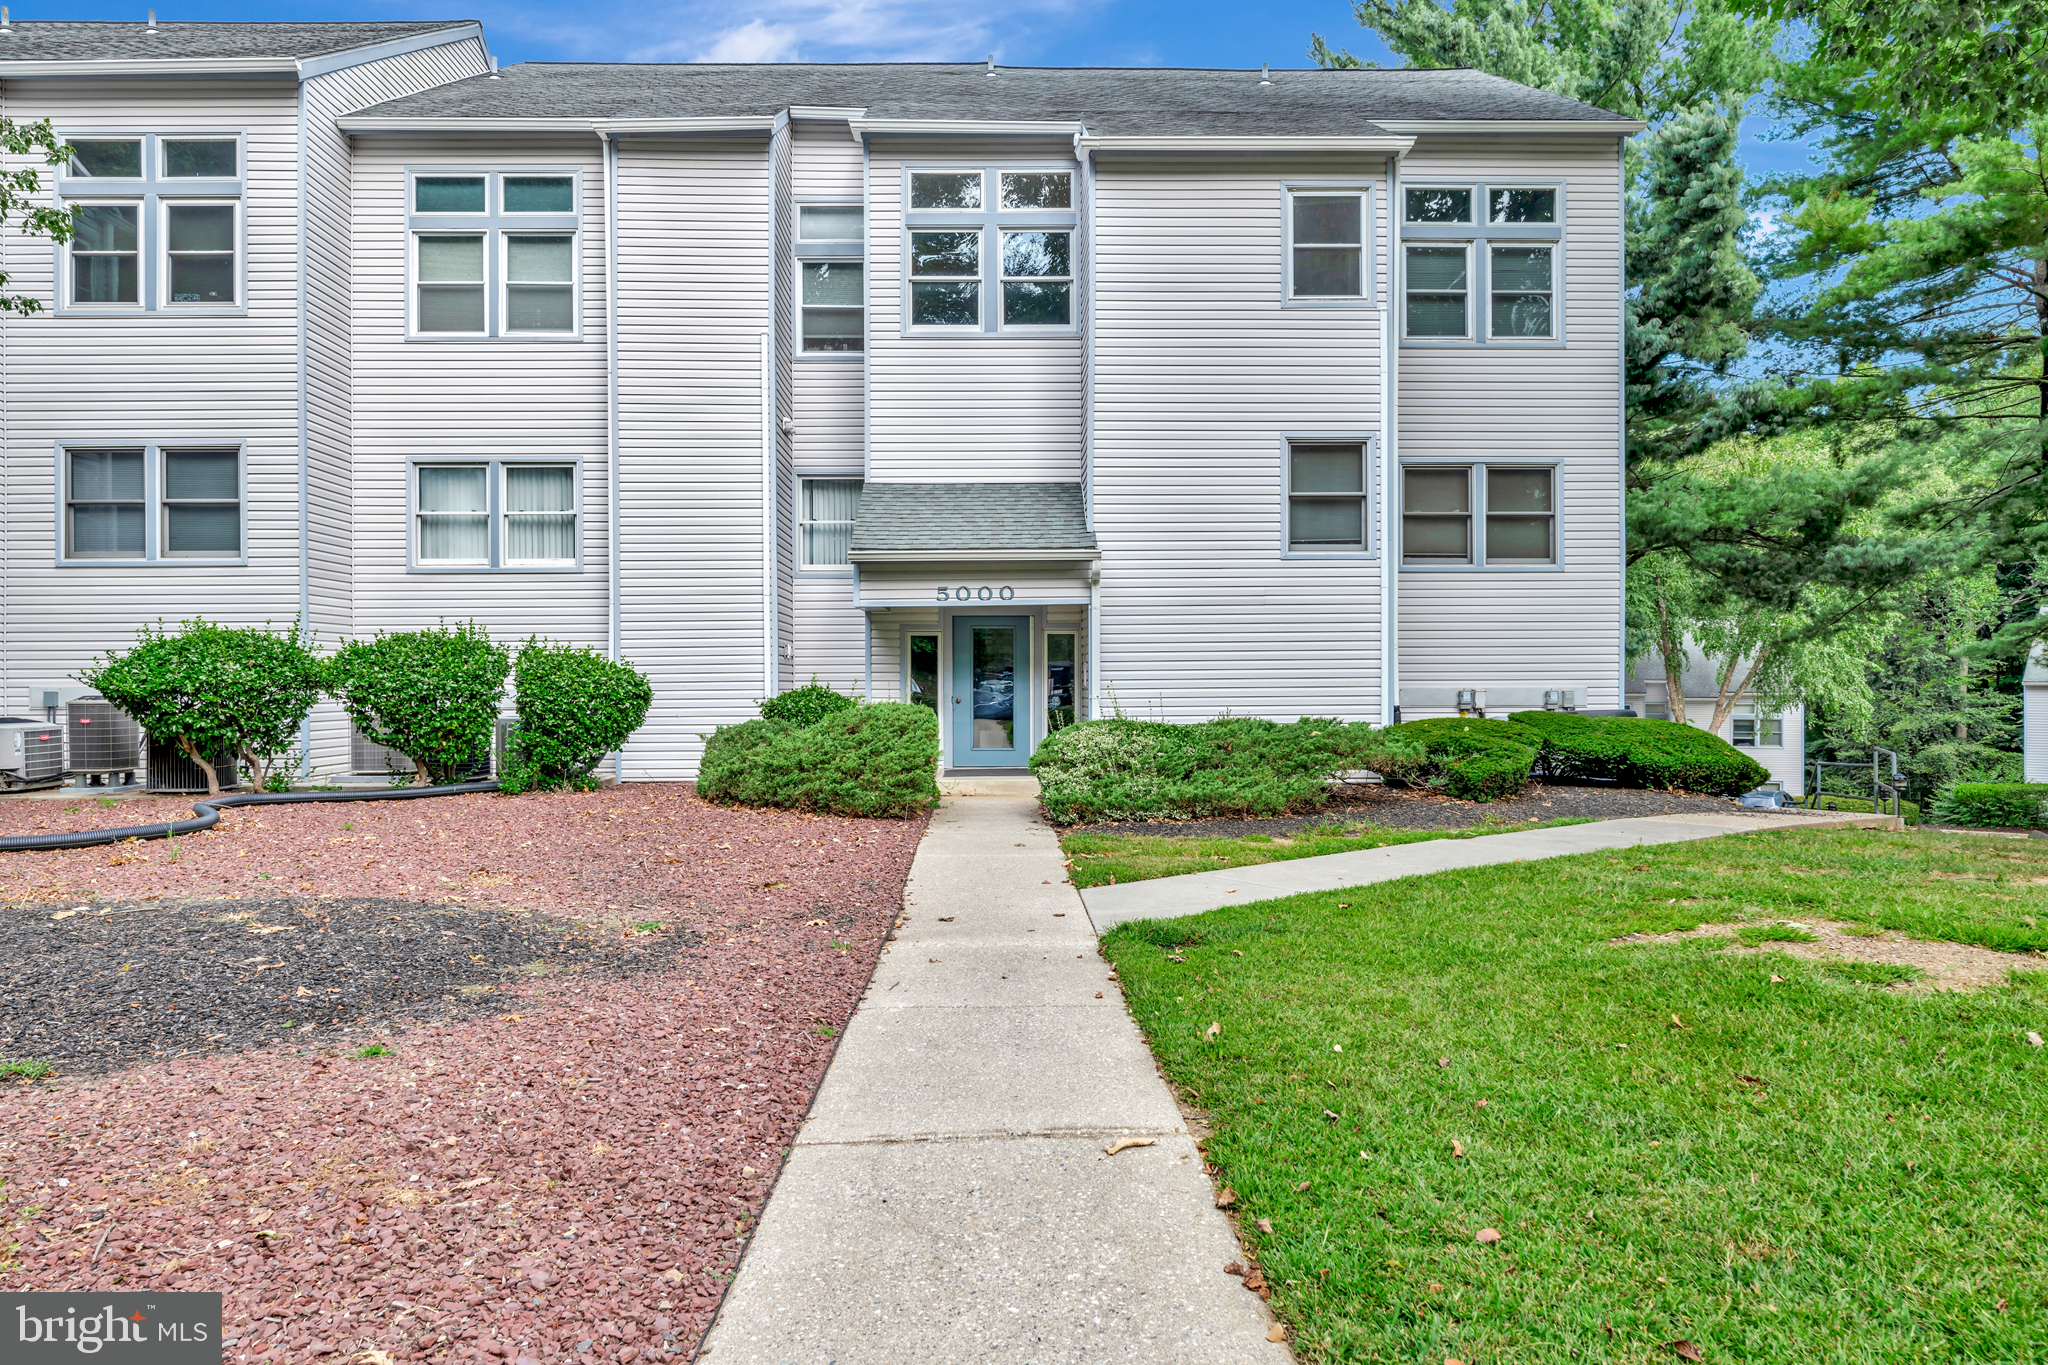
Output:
(930, 522)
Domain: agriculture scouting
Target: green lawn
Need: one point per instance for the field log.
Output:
(1110, 859)
(1673, 1148)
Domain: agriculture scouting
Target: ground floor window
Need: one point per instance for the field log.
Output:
(494, 514)
(1754, 730)
(1062, 676)
(152, 503)
(825, 522)
(921, 676)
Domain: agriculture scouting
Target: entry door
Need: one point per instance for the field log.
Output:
(991, 691)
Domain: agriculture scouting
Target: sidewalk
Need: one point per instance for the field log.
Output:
(948, 1198)
(1194, 892)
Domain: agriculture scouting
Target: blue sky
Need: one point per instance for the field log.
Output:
(1026, 32)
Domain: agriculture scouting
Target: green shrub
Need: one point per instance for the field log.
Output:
(1471, 759)
(1230, 767)
(2015, 805)
(430, 694)
(806, 705)
(1641, 753)
(210, 689)
(575, 706)
(870, 760)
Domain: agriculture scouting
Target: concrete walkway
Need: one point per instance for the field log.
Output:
(1194, 892)
(948, 1199)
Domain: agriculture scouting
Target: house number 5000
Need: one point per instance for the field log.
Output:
(964, 593)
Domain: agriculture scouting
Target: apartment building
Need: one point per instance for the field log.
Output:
(1027, 394)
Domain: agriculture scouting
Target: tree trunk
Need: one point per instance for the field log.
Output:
(1672, 651)
(259, 772)
(425, 779)
(192, 752)
(1732, 690)
(1963, 700)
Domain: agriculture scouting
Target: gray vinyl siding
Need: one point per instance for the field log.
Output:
(152, 378)
(1003, 408)
(784, 271)
(471, 400)
(828, 640)
(1521, 629)
(1200, 376)
(329, 282)
(694, 302)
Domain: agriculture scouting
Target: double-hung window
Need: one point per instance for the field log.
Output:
(1482, 263)
(159, 225)
(1327, 231)
(1329, 499)
(494, 254)
(151, 503)
(1491, 515)
(494, 514)
(1754, 729)
(825, 522)
(989, 250)
(832, 296)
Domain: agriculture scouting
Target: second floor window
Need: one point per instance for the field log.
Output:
(990, 249)
(1753, 729)
(1328, 503)
(494, 255)
(1478, 515)
(160, 223)
(1497, 246)
(1326, 237)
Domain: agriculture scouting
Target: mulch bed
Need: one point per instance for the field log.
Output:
(1402, 808)
(561, 1168)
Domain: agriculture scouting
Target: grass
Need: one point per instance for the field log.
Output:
(25, 1068)
(1673, 1147)
(373, 1050)
(1106, 859)
(1754, 935)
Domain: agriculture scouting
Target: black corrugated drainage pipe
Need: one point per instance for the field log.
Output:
(209, 815)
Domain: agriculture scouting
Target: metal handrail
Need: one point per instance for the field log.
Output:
(1883, 784)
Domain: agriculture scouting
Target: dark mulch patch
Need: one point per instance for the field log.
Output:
(1399, 808)
(94, 988)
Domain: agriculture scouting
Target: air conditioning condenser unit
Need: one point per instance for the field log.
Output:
(31, 753)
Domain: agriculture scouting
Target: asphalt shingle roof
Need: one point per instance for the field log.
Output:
(68, 41)
(1111, 101)
(971, 516)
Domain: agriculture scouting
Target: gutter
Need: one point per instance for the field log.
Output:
(980, 556)
(1607, 127)
(615, 127)
(929, 127)
(1396, 146)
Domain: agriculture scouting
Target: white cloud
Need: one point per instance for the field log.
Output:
(781, 30)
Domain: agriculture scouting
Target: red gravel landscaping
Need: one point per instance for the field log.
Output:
(570, 1179)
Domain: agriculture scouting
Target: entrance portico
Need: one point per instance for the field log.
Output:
(980, 592)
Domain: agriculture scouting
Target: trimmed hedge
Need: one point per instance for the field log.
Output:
(1640, 753)
(879, 760)
(806, 705)
(1469, 758)
(2012, 805)
(575, 706)
(1230, 768)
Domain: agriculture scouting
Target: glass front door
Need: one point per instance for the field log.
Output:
(991, 691)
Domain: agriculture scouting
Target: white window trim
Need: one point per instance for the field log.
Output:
(1756, 716)
(998, 279)
(1045, 635)
(1370, 497)
(494, 225)
(1479, 236)
(823, 251)
(990, 221)
(1471, 331)
(1368, 262)
(495, 561)
(148, 193)
(1476, 474)
(937, 633)
(152, 503)
(803, 565)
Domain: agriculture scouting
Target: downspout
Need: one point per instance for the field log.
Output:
(305, 451)
(613, 622)
(1087, 160)
(1621, 424)
(768, 511)
(1390, 467)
